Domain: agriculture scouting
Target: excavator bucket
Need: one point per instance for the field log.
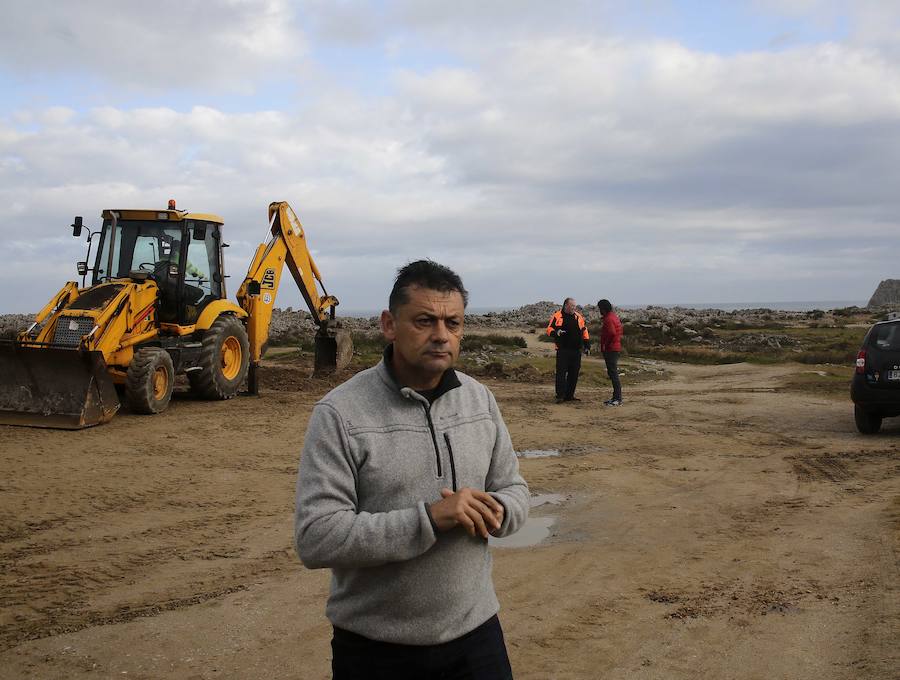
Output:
(54, 387)
(334, 348)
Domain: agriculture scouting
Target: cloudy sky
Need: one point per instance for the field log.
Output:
(647, 152)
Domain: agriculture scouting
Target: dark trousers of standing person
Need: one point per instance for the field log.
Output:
(477, 655)
(568, 365)
(612, 370)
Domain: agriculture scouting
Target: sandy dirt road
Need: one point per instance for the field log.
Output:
(715, 526)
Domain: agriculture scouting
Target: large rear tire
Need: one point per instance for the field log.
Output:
(866, 423)
(151, 379)
(223, 360)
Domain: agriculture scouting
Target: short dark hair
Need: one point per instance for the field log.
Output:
(605, 306)
(426, 274)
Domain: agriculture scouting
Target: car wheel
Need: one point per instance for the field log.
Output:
(866, 423)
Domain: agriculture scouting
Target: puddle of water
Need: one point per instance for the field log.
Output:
(538, 453)
(570, 449)
(547, 499)
(536, 529)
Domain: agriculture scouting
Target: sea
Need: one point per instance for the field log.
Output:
(781, 306)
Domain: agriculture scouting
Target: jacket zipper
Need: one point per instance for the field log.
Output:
(437, 451)
(452, 462)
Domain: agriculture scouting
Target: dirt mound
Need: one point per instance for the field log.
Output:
(298, 377)
(525, 373)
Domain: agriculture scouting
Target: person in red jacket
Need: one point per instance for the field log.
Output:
(570, 333)
(611, 345)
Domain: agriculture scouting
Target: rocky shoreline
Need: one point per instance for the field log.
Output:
(673, 323)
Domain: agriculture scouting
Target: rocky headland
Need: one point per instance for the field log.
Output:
(887, 293)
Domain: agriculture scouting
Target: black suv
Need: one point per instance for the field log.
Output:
(875, 389)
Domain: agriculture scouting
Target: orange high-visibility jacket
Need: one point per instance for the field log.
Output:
(556, 322)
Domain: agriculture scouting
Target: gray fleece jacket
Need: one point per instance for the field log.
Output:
(373, 456)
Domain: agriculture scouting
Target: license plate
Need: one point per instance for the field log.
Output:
(893, 375)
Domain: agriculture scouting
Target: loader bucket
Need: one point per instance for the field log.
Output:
(334, 348)
(44, 386)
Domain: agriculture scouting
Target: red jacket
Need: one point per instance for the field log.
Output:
(611, 333)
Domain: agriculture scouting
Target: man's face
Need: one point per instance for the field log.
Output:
(569, 307)
(426, 332)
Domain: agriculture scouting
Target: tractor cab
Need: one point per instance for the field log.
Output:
(180, 251)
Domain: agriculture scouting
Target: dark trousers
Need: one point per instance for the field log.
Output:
(612, 370)
(568, 365)
(477, 655)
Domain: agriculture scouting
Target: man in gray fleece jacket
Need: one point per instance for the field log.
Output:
(406, 469)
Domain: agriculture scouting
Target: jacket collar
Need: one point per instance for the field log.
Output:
(449, 380)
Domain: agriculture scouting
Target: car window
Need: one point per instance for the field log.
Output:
(886, 336)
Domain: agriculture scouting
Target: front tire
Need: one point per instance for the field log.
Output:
(866, 423)
(223, 360)
(151, 379)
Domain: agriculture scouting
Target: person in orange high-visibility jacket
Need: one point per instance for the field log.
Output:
(570, 333)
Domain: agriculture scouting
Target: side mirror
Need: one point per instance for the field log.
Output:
(199, 232)
(76, 226)
(82, 267)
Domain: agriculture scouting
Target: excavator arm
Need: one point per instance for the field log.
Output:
(257, 293)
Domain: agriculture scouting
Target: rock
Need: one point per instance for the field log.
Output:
(12, 324)
(887, 293)
(755, 342)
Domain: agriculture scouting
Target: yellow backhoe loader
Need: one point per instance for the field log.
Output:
(156, 308)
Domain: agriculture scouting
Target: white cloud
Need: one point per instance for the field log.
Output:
(547, 162)
(195, 46)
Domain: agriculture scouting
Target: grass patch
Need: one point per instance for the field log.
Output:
(824, 381)
(713, 356)
(539, 369)
(286, 355)
(291, 340)
(368, 348)
(691, 355)
(495, 355)
(806, 344)
(489, 341)
(823, 357)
